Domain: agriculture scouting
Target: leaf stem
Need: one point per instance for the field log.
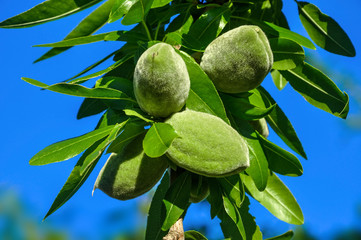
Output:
(157, 30)
(147, 30)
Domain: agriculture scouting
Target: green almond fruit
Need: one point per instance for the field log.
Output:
(207, 145)
(238, 60)
(199, 189)
(131, 172)
(161, 81)
(261, 126)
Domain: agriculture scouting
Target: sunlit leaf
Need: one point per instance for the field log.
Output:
(86, 27)
(69, 148)
(279, 122)
(276, 198)
(158, 139)
(286, 236)
(287, 54)
(325, 31)
(47, 11)
(155, 216)
(318, 89)
(176, 200)
(203, 96)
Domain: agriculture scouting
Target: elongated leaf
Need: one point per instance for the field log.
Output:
(325, 31)
(281, 125)
(279, 160)
(194, 235)
(101, 147)
(258, 169)
(92, 66)
(234, 228)
(155, 216)
(69, 148)
(215, 197)
(138, 114)
(280, 32)
(277, 199)
(77, 41)
(244, 109)
(137, 12)
(47, 11)
(209, 25)
(176, 200)
(287, 54)
(107, 70)
(179, 26)
(131, 131)
(252, 230)
(160, 3)
(203, 96)
(158, 139)
(120, 8)
(233, 188)
(74, 181)
(81, 91)
(86, 27)
(318, 89)
(111, 117)
(286, 236)
(89, 107)
(278, 79)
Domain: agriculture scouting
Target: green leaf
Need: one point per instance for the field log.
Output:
(77, 41)
(233, 188)
(111, 117)
(179, 26)
(86, 27)
(252, 230)
(209, 25)
(135, 112)
(243, 107)
(115, 65)
(278, 79)
(155, 218)
(158, 139)
(258, 169)
(101, 147)
(120, 8)
(277, 199)
(286, 236)
(93, 66)
(280, 124)
(137, 12)
(325, 31)
(176, 200)
(194, 235)
(118, 83)
(232, 212)
(215, 197)
(90, 107)
(81, 91)
(47, 11)
(279, 160)
(287, 54)
(160, 3)
(203, 96)
(131, 131)
(69, 148)
(318, 89)
(280, 32)
(74, 181)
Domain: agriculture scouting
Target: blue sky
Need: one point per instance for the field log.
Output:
(328, 192)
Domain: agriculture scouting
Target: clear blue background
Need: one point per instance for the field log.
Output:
(329, 192)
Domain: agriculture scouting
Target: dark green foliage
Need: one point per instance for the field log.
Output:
(218, 134)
